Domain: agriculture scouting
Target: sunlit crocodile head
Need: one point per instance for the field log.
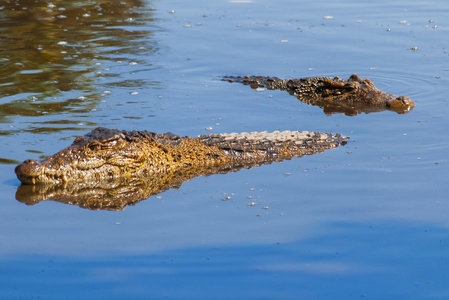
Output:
(100, 155)
(358, 91)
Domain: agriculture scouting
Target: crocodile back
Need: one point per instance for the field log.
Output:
(273, 146)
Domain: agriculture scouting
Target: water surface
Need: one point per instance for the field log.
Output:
(369, 219)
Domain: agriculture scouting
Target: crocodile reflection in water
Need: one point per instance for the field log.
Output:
(109, 168)
(333, 95)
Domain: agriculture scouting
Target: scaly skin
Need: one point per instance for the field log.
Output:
(351, 97)
(109, 154)
(110, 169)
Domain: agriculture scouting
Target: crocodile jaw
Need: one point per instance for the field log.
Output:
(32, 172)
(46, 172)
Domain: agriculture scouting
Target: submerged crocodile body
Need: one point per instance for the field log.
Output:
(351, 97)
(130, 166)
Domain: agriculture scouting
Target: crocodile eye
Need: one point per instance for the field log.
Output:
(94, 146)
(350, 86)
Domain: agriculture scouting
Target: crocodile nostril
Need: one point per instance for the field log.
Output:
(405, 100)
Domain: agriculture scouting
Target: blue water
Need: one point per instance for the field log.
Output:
(340, 263)
(366, 220)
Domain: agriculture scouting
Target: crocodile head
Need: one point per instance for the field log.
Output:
(63, 167)
(100, 155)
(360, 91)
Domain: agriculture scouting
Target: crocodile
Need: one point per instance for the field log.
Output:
(333, 95)
(130, 166)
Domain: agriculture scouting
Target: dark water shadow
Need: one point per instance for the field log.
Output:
(277, 269)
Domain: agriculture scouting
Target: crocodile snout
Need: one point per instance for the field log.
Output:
(401, 104)
(28, 171)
